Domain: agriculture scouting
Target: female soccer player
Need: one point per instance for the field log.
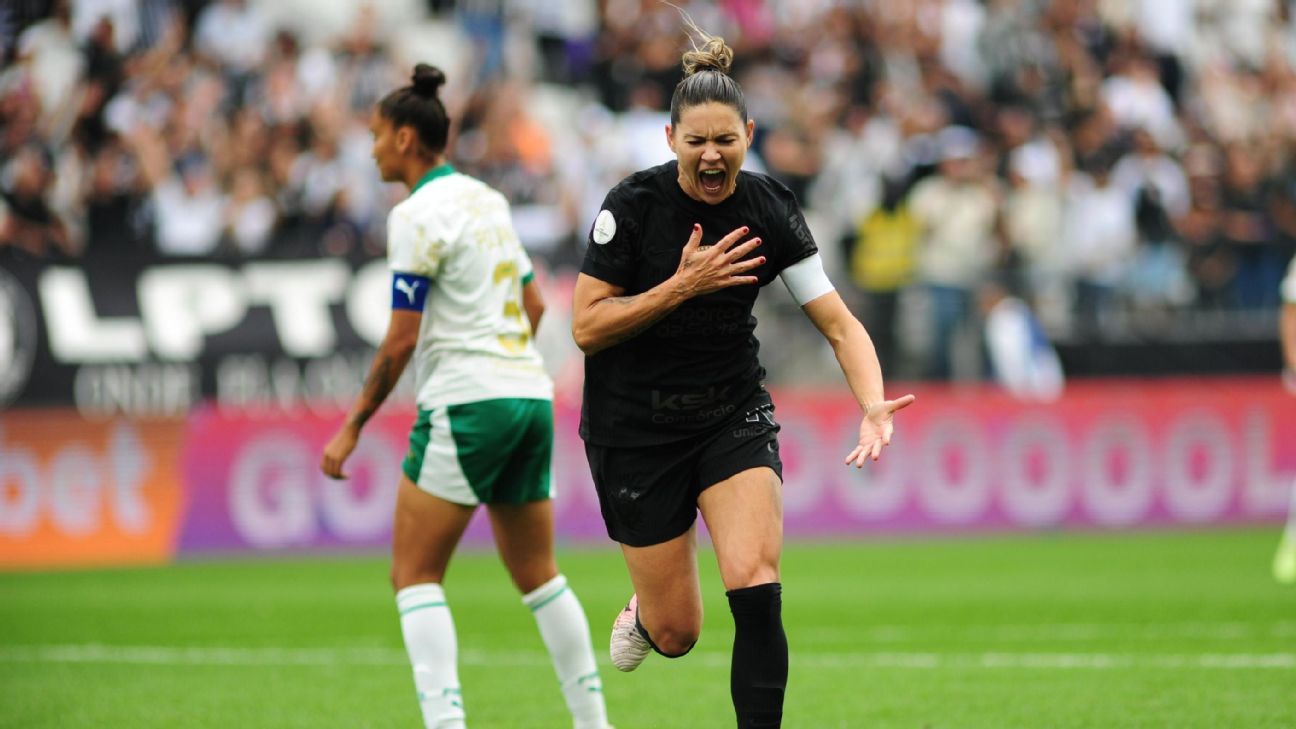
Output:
(675, 417)
(464, 306)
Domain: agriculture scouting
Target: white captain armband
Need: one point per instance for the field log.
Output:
(806, 280)
(409, 291)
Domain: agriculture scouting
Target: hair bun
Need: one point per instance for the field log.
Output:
(714, 55)
(427, 80)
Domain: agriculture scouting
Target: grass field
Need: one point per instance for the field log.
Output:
(1152, 630)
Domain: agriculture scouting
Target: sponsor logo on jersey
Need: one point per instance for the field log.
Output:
(689, 400)
(604, 227)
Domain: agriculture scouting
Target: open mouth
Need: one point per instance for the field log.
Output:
(712, 181)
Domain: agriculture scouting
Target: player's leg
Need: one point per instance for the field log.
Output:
(667, 605)
(433, 506)
(424, 535)
(744, 515)
(504, 447)
(743, 510)
(1284, 562)
(648, 500)
(524, 536)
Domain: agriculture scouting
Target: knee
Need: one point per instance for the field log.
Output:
(756, 572)
(674, 639)
(403, 576)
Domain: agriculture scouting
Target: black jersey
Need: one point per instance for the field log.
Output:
(694, 368)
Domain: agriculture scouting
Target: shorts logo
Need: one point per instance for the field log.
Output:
(759, 415)
(604, 227)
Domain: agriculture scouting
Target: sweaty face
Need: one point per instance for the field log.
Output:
(710, 141)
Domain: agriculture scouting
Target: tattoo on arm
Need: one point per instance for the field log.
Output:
(377, 386)
(636, 328)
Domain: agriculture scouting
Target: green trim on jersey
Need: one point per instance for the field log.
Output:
(503, 448)
(432, 174)
(528, 278)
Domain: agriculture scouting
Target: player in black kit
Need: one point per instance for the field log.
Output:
(675, 418)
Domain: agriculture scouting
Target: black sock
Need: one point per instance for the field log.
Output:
(760, 655)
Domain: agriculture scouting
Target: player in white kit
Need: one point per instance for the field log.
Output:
(464, 308)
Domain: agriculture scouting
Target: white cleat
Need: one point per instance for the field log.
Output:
(1284, 563)
(628, 647)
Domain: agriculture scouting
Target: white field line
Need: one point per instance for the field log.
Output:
(92, 653)
(1051, 632)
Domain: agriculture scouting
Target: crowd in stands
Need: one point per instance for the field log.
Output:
(1091, 157)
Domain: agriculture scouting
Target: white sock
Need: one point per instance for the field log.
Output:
(433, 652)
(566, 634)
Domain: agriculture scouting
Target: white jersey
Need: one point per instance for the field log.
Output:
(454, 237)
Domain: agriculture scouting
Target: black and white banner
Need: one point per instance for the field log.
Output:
(155, 337)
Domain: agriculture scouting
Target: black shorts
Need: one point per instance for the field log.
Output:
(649, 494)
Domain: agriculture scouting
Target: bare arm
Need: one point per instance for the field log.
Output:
(859, 363)
(602, 316)
(388, 364)
(533, 303)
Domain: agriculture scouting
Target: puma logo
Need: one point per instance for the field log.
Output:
(407, 287)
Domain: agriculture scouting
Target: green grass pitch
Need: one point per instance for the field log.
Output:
(1176, 629)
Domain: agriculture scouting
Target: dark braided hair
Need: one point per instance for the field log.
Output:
(419, 107)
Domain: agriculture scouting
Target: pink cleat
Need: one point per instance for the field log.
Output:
(629, 648)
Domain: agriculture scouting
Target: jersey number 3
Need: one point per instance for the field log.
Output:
(506, 273)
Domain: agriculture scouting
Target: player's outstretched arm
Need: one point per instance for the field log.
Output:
(603, 316)
(859, 362)
(388, 364)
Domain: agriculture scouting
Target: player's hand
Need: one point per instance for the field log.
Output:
(704, 270)
(875, 430)
(337, 451)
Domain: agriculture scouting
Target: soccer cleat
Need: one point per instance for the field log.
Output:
(629, 648)
(1284, 563)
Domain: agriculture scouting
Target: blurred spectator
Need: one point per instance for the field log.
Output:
(114, 205)
(957, 212)
(30, 224)
(53, 58)
(1249, 230)
(1157, 186)
(250, 215)
(188, 209)
(881, 253)
(232, 34)
(1100, 238)
(1032, 212)
(123, 16)
(1212, 262)
(1022, 359)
